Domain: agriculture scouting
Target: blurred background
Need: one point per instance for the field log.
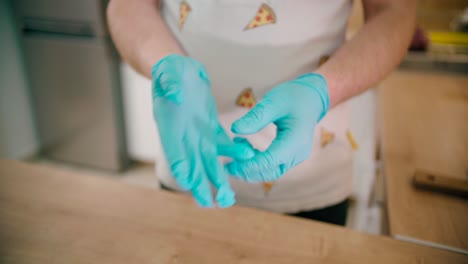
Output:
(67, 100)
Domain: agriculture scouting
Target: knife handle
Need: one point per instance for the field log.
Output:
(440, 183)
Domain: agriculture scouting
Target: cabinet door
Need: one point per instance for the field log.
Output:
(76, 99)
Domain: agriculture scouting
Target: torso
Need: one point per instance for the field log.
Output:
(246, 45)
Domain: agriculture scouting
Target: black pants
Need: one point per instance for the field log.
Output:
(335, 214)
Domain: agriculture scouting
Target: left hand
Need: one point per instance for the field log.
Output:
(295, 107)
(191, 135)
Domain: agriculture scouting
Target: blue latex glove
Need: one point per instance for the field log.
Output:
(295, 107)
(191, 136)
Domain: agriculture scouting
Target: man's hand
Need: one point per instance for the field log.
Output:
(191, 135)
(295, 107)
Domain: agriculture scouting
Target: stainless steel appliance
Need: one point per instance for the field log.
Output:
(73, 72)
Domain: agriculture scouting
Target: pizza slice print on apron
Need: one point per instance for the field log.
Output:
(264, 16)
(326, 137)
(184, 10)
(352, 141)
(247, 99)
(323, 59)
(267, 187)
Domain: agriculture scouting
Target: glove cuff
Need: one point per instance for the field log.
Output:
(318, 83)
(165, 58)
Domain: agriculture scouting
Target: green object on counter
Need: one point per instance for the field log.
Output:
(454, 38)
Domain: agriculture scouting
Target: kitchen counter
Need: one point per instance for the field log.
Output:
(52, 216)
(424, 126)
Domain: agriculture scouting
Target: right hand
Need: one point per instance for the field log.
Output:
(191, 135)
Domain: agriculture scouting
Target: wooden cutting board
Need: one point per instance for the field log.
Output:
(50, 216)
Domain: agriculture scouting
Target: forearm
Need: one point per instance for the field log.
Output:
(373, 52)
(140, 34)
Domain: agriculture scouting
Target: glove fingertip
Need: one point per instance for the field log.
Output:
(232, 169)
(241, 126)
(235, 127)
(225, 197)
(242, 152)
(248, 153)
(255, 120)
(225, 203)
(203, 201)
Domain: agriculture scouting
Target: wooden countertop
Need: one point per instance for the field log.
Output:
(51, 216)
(425, 126)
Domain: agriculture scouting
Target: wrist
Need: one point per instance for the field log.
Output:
(150, 56)
(167, 57)
(318, 84)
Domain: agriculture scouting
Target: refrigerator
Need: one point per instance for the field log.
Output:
(73, 74)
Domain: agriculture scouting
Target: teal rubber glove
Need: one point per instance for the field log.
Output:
(191, 135)
(295, 107)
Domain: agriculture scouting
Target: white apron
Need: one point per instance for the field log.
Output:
(259, 44)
